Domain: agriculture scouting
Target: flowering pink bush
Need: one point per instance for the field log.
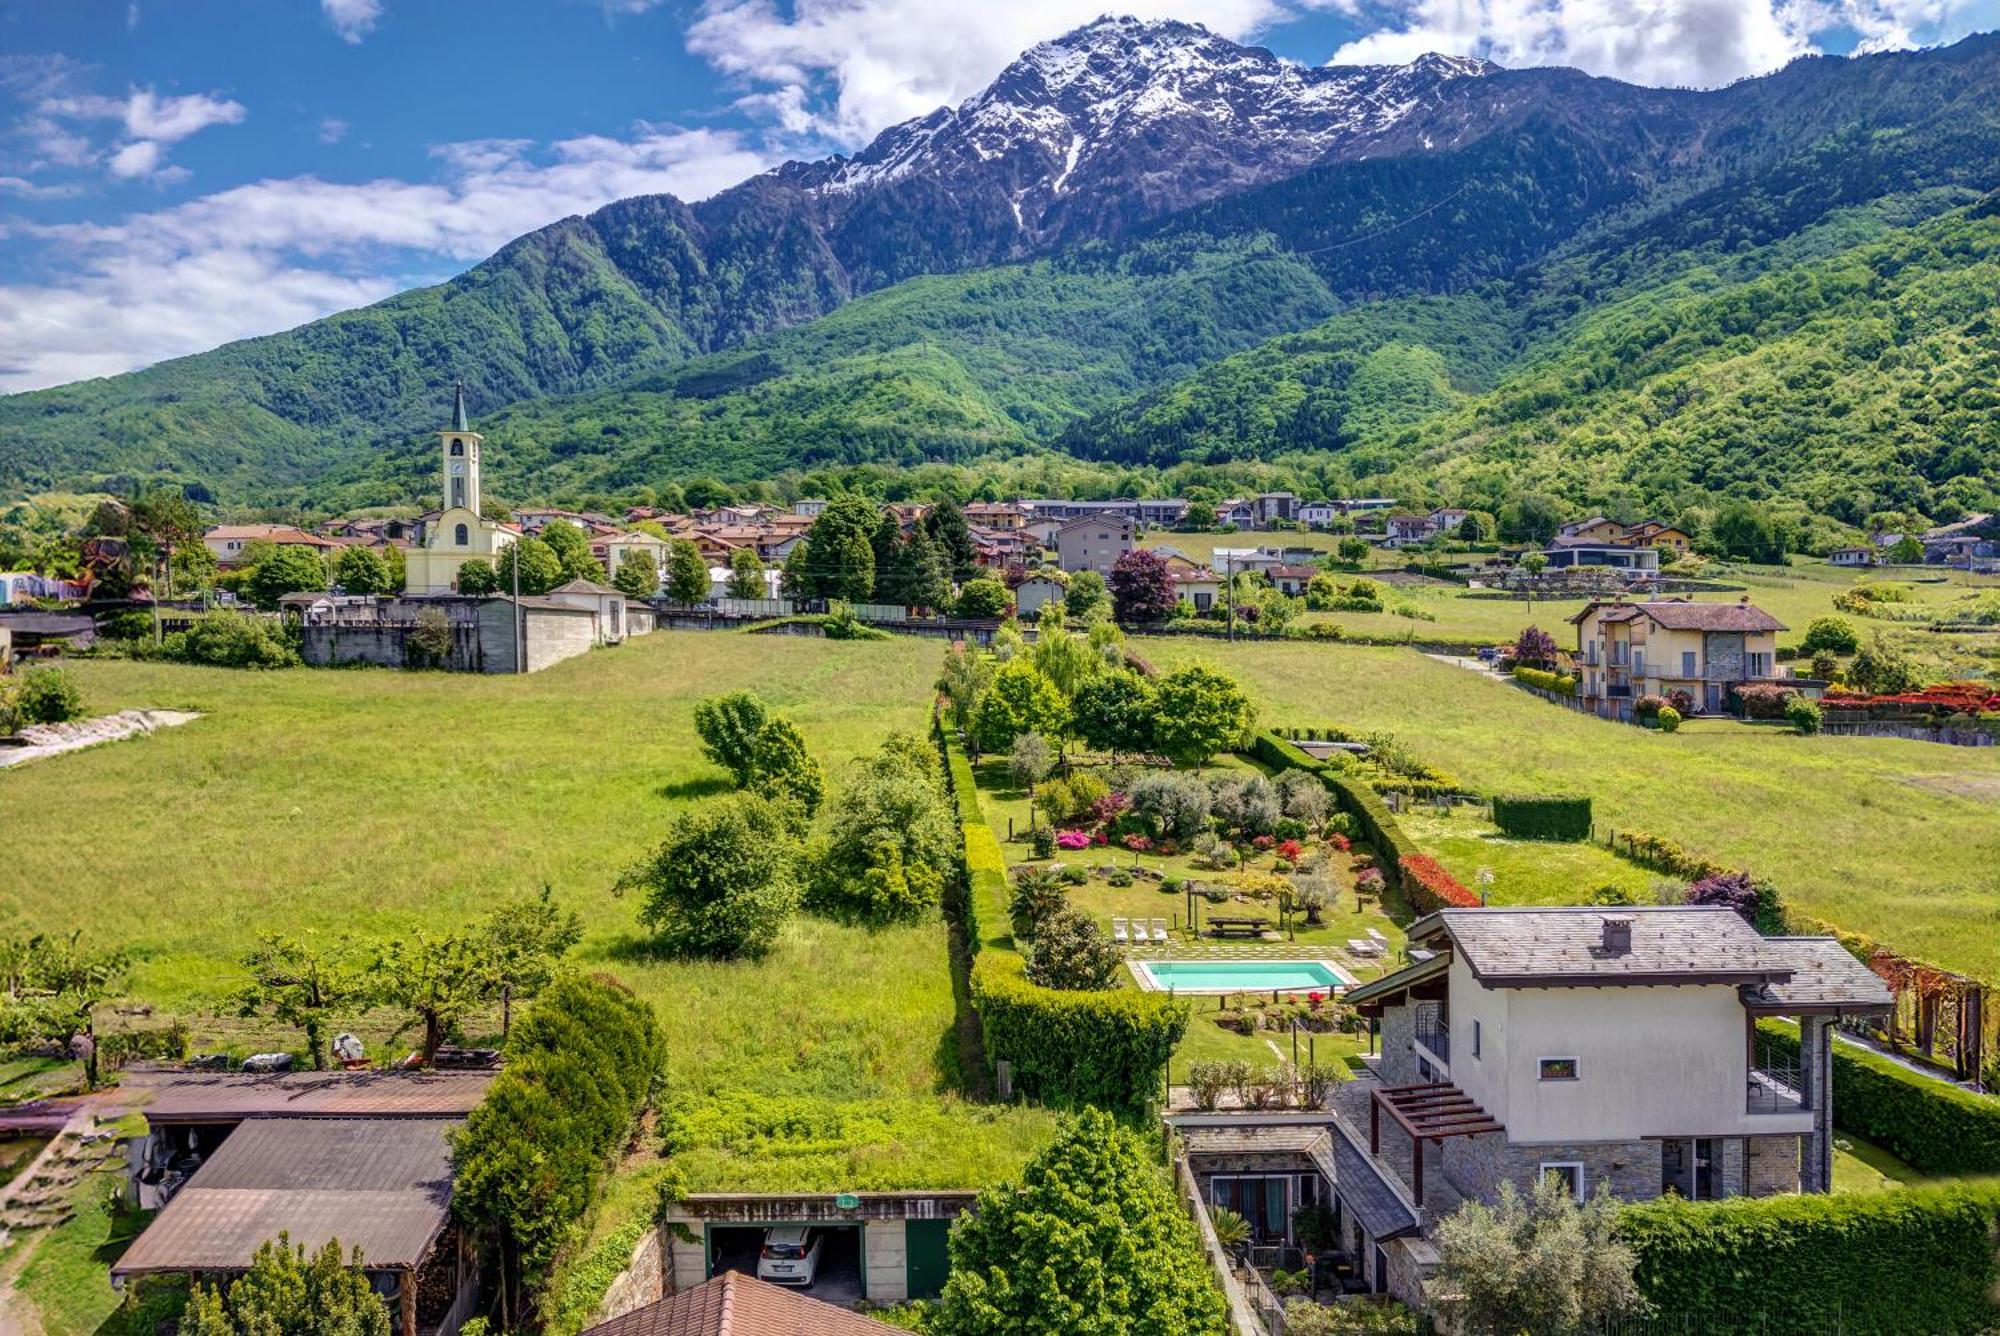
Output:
(1138, 844)
(1101, 838)
(1369, 881)
(1340, 842)
(1290, 851)
(1109, 808)
(1263, 842)
(1072, 839)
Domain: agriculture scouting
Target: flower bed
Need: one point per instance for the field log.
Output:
(1431, 888)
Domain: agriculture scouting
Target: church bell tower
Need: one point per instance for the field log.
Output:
(460, 447)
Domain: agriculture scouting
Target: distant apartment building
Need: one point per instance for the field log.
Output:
(1094, 542)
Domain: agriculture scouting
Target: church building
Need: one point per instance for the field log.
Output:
(459, 533)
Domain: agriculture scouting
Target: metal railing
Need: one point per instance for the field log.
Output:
(1437, 1038)
(1775, 1087)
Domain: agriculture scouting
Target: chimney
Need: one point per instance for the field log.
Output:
(1617, 936)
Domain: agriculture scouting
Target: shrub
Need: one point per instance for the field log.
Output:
(890, 842)
(1762, 700)
(48, 696)
(1106, 1048)
(1915, 1259)
(1669, 719)
(1120, 879)
(233, 640)
(1648, 706)
(1562, 684)
(1075, 875)
(1551, 817)
(1073, 840)
(1535, 647)
(1803, 714)
(1756, 901)
(1431, 888)
(1042, 841)
(1938, 1128)
(722, 883)
(1833, 635)
(1038, 897)
(1176, 806)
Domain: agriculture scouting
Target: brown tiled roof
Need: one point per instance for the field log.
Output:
(1677, 615)
(233, 1096)
(733, 1304)
(382, 1185)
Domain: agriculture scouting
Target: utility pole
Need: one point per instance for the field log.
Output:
(520, 620)
(1229, 589)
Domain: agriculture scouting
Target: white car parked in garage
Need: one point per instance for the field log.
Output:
(790, 1255)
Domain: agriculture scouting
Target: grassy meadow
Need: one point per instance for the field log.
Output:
(1891, 838)
(359, 805)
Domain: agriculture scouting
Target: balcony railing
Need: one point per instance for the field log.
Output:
(1775, 1087)
(1436, 1038)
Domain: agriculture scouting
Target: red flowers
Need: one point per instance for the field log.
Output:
(1340, 842)
(1431, 887)
(1290, 851)
(1138, 844)
(1263, 842)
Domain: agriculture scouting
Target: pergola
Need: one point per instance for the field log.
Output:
(1428, 1111)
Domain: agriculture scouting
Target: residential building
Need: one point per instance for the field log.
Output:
(1031, 594)
(1851, 556)
(1613, 1047)
(1661, 536)
(736, 1304)
(1094, 542)
(460, 533)
(615, 549)
(229, 541)
(1292, 580)
(1276, 507)
(1597, 529)
(534, 519)
(1626, 650)
(1197, 586)
(1157, 512)
(995, 515)
(1404, 530)
(25, 586)
(810, 507)
(1320, 514)
(1571, 553)
(1446, 518)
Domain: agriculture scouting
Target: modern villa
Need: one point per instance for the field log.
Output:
(1602, 1046)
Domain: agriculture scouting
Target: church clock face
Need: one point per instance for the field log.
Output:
(458, 468)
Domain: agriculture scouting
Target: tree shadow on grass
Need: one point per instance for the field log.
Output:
(707, 786)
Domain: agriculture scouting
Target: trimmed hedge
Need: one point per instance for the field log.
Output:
(1562, 684)
(1560, 816)
(1938, 1128)
(1910, 1260)
(1429, 888)
(1106, 1048)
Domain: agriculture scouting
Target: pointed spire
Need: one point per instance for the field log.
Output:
(459, 420)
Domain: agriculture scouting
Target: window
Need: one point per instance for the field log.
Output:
(1687, 663)
(1558, 1069)
(457, 449)
(461, 536)
(1569, 1171)
(1475, 1038)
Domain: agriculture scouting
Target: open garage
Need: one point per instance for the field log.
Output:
(838, 1277)
(881, 1246)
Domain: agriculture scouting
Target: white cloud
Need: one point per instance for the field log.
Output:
(1703, 43)
(141, 158)
(352, 19)
(849, 69)
(150, 123)
(276, 253)
(332, 130)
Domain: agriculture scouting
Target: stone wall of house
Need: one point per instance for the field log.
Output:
(385, 645)
(642, 1282)
(887, 1259)
(1771, 1166)
(1729, 1167)
(1478, 1165)
(554, 636)
(1399, 1031)
(1412, 1262)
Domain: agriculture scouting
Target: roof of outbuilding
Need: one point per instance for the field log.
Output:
(1359, 1181)
(586, 587)
(733, 1304)
(233, 1096)
(382, 1185)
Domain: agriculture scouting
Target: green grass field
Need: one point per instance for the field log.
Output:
(364, 804)
(1525, 872)
(1891, 838)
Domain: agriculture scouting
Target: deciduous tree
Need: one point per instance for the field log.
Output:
(1019, 700)
(729, 725)
(477, 576)
(1071, 954)
(435, 981)
(572, 548)
(361, 570)
(687, 572)
(1142, 588)
(525, 940)
(539, 570)
(982, 599)
(637, 576)
(288, 570)
(721, 884)
(1197, 713)
(1113, 712)
(746, 575)
(300, 981)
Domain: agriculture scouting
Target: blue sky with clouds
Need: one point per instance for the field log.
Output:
(175, 175)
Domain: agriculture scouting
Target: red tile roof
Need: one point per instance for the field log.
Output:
(733, 1304)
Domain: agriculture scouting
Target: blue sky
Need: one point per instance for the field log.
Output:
(175, 175)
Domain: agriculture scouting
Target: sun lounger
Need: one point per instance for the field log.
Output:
(1159, 930)
(1361, 946)
(1118, 930)
(1375, 936)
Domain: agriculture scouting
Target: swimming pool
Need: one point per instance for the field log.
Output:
(1240, 976)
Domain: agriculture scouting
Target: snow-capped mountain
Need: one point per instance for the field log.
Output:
(1125, 119)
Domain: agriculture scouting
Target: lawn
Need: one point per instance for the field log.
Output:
(364, 804)
(1862, 1166)
(1892, 838)
(1525, 872)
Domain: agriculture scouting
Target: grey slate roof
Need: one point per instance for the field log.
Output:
(1544, 944)
(1298, 1140)
(380, 1185)
(1824, 974)
(1364, 1191)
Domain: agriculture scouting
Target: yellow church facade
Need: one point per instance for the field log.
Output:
(459, 533)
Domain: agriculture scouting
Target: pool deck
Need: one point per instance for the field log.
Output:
(1142, 973)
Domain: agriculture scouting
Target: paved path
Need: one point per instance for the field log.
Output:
(54, 739)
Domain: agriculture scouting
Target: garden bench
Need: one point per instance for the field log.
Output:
(1224, 926)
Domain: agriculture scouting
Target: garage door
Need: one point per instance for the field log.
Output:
(929, 1261)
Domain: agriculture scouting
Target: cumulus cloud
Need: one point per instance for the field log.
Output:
(352, 19)
(1700, 43)
(847, 69)
(273, 254)
(148, 123)
(332, 130)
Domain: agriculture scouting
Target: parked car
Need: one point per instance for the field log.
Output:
(1488, 653)
(790, 1255)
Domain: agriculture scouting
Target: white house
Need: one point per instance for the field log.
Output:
(1604, 1046)
(1851, 556)
(1031, 594)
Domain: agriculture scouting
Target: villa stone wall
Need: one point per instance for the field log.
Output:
(1771, 1166)
(1478, 1165)
(1399, 1031)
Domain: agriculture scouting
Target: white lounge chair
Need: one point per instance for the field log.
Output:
(1375, 936)
(1159, 930)
(1118, 930)
(1361, 946)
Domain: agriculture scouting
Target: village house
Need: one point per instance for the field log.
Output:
(1661, 536)
(1094, 542)
(1197, 586)
(1033, 593)
(1614, 1047)
(228, 541)
(1851, 556)
(810, 507)
(1627, 650)
(995, 514)
(1446, 518)
(1405, 530)
(1571, 553)
(613, 550)
(1292, 580)
(1596, 529)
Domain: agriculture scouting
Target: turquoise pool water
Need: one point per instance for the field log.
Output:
(1242, 976)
